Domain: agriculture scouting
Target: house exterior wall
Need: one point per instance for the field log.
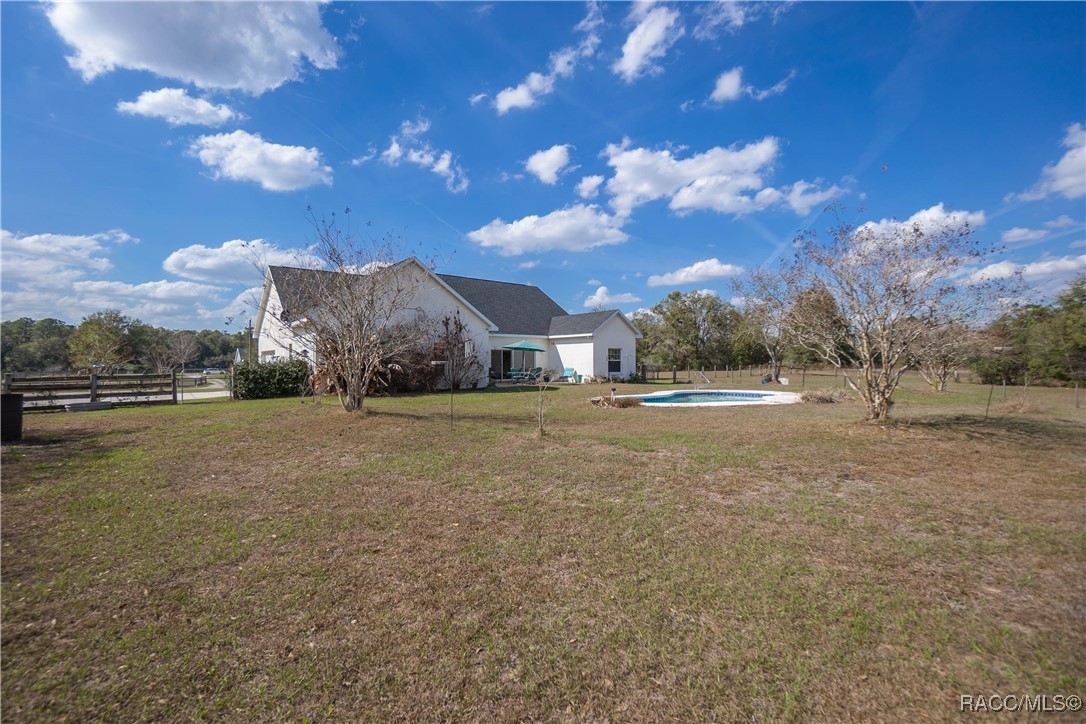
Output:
(276, 341)
(576, 352)
(437, 302)
(614, 333)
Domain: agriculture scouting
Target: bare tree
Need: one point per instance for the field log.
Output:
(355, 307)
(183, 348)
(865, 296)
(765, 306)
(457, 348)
(939, 352)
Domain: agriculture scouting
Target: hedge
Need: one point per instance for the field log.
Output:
(256, 381)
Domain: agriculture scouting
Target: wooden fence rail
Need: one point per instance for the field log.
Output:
(51, 392)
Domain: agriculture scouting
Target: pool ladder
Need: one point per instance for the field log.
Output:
(708, 382)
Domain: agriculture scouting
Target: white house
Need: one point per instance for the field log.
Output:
(496, 314)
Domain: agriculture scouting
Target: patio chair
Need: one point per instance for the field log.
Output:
(567, 375)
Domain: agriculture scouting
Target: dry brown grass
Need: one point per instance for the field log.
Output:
(285, 561)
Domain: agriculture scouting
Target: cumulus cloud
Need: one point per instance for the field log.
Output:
(107, 293)
(532, 264)
(656, 31)
(243, 156)
(929, 220)
(1047, 276)
(574, 228)
(1020, 234)
(729, 16)
(716, 178)
(49, 259)
(562, 64)
(726, 180)
(1066, 177)
(589, 187)
(234, 262)
(247, 46)
(603, 297)
(729, 87)
(701, 271)
(548, 164)
(178, 108)
(408, 145)
(49, 275)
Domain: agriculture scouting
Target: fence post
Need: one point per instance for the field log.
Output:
(8, 377)
(173, 385)
(674, 374)
(94, 387)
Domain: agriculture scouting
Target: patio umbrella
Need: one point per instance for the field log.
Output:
(524, 346)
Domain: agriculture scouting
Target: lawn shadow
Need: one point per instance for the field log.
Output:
(993, 429)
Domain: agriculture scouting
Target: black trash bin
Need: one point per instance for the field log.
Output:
(11, 417)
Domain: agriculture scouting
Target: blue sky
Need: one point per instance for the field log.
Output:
(607, 153)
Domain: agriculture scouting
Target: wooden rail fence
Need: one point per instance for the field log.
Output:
(67, 391)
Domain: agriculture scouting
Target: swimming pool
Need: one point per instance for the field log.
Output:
(714, 398)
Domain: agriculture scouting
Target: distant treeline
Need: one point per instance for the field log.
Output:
(110, 341)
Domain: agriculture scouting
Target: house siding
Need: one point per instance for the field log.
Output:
(614, 333)
(576, 353)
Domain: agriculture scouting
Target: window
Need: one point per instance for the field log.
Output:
(614, 361)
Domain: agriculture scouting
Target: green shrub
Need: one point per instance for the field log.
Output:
(256, 381)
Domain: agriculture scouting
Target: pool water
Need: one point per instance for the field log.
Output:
(712, 398)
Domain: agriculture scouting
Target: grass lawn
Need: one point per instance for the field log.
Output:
(279, 560)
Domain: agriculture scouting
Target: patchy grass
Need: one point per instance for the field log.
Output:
(266, 560)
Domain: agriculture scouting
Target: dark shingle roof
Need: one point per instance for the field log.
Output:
(292, 284)
(586, 323)
(513, 308)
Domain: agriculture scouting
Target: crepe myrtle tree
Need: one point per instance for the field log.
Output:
(869, 298)
(457, 350)
(354, 302)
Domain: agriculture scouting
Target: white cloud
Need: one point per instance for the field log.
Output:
(178, 108)
(1062, 222)
(589, 187)
(234, 262)
(726, 180)
(366, 157)
(548, 164)
(48, 260)
(603, 297)
(730, 16)
(1067, 176)
(528, 264)
(929, 220)
(408, 145)
(1019, 233)
(562, 64)
(247, 46)
(46, 275)
(696, 273)
(574, 228)
(802, 196)
(775, 90)
(593, 282)
(477, 98)
(107, 293)
(656, 31)
(729, 87)
(243, 156)
(1046, 276)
